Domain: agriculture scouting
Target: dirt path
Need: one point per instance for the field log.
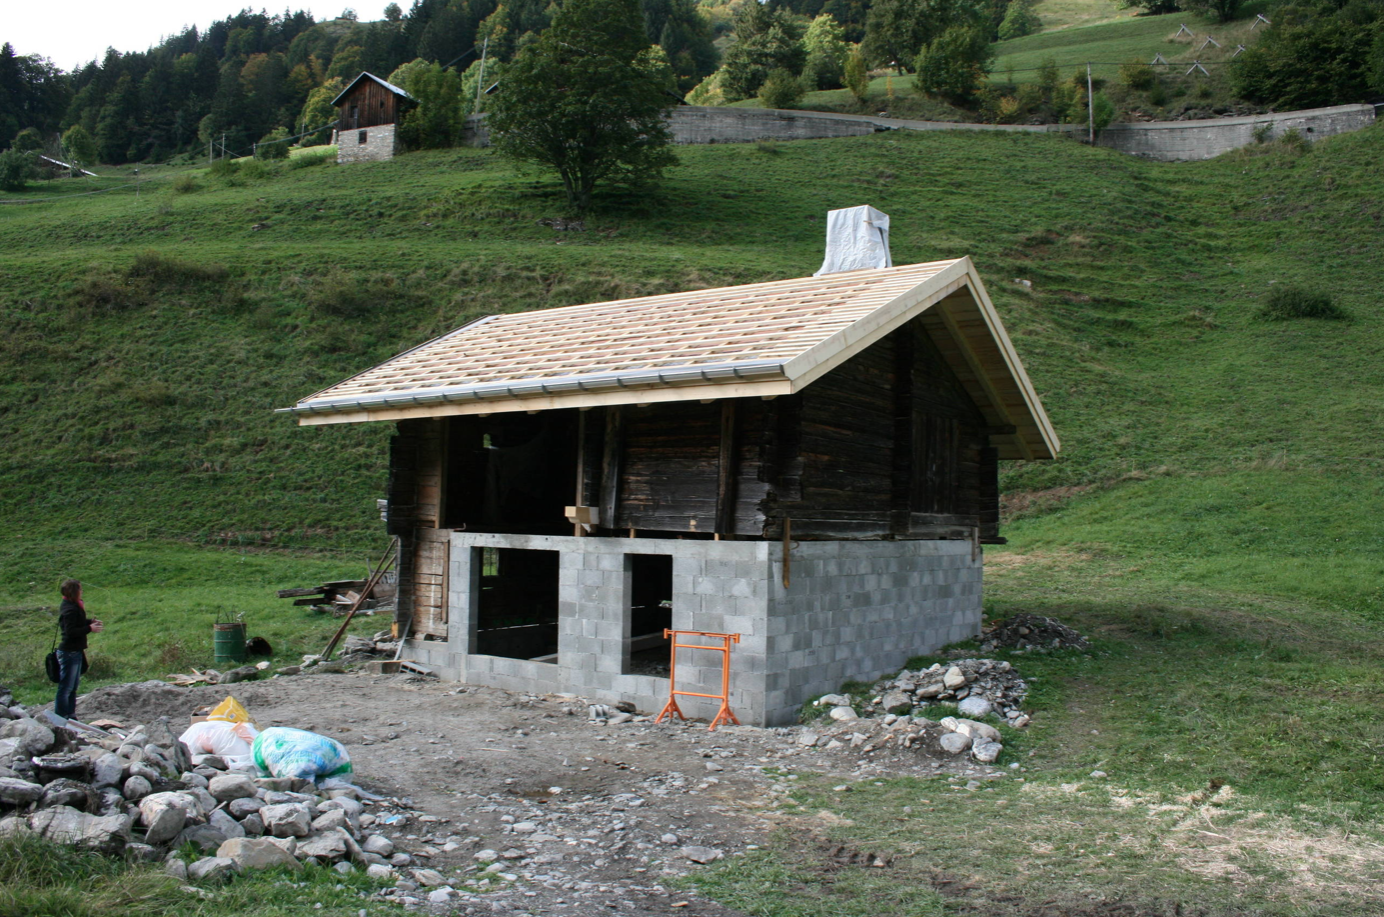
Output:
(584, 818)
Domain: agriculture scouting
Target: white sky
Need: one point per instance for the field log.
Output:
(77, 31)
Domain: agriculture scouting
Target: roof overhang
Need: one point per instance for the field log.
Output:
(951, 303)
(364, 74)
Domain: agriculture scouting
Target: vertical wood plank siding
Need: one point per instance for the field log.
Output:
(368, 104)
(415, 493)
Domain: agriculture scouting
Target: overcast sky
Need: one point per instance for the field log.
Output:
(74, 32)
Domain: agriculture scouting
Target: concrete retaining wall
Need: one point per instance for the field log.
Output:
(853, 610)
(1172, 141)
(1162, 140)
(380, 144)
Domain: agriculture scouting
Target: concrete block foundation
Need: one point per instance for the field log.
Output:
(853, 610)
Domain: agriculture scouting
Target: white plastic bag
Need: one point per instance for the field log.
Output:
(229, 741)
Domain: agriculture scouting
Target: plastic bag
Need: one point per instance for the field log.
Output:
(230, 710)
(283, 752)
(229, 741)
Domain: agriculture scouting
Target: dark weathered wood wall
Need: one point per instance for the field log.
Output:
(887, 445)
(368, 104)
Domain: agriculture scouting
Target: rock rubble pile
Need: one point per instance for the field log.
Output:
(136, 792)
(1031, 633)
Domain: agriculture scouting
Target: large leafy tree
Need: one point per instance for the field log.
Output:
(1316, 54)
(588, 99)
(765, 40)
(896, 30)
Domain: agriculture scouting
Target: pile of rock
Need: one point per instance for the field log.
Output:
(949, 736)
(381, 644)
(977, 687)
(140, 795)
(1031, 633)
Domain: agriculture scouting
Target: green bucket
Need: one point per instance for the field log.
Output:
(228, 642)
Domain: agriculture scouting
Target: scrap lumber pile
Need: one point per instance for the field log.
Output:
(336, 598)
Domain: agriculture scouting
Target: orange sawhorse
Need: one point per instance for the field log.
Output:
(722, 715)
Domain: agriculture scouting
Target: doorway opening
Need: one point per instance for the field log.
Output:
(650, 612)
(517, 609)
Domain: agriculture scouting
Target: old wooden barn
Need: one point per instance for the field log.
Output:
(368, 112)
(810, 463)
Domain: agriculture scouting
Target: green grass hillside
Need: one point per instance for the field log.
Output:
(1212, 521)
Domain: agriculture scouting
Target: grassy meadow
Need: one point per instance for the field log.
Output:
(1211, 521)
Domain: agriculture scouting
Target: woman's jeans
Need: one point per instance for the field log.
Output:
(69, 673)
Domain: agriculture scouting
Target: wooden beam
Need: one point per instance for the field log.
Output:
(580, 498)
(610, 465)
(727, 467)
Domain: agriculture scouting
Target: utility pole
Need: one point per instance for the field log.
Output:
(1090, 108)
(223, 144)
(480, 79)
(210, 142)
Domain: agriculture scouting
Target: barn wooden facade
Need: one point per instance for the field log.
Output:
(810, 463)
(368, 112)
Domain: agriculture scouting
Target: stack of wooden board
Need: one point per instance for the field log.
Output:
(337, 597)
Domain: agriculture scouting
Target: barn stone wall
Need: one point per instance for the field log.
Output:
(380, 144)
(852, 610)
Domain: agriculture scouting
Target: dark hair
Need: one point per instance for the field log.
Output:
(70, 589)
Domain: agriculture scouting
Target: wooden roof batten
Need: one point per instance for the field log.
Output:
(757, 340)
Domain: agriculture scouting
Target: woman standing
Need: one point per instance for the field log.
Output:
(75, 625)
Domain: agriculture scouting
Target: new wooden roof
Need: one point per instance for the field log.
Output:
(762, 339)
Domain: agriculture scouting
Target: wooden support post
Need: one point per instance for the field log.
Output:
(580, 498)
(727, 468)
(610, 465)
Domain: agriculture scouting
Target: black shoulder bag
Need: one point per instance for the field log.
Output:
(50, 662)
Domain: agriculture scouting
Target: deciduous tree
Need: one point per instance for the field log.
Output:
(588, 99)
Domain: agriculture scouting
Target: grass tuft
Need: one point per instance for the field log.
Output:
(1288, 302)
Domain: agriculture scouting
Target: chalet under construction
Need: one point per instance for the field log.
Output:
(810, 463)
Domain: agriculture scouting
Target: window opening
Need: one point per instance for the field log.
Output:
(361, 139)
(517, 613)
(650, 611)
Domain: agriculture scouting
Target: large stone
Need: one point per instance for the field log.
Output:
(897, 702)
(239, 808)
(351, 807)
(975, 706)
(108, 770)
(378, 844)
(211, 869)
(699, 854)
(954, 743)
(231, 786)
(379, 871)
(429, 878)
(256, 853)
(65, 792)
(147, 771)
(252, 824)
(13, 825)
(164, 815)
(289, 819)
(204, 836)
(205, 801)
(33, 738)
(843, 714)
(955, 678)
(977, 731)
(15, 792)
(334, 818)
(65, 825)
(330, 845)
(986, 752)
(936, 689)
(176, 868)
(137, 787)
(223, 822)
(162, 734)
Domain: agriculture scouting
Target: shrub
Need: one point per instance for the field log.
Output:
(822, 72)
(273, 145)
(1137, 75)
(255, 169)
(16, 170)
(185, 184)
(954, 66)
(857, 76)
(314, 158)
(1290, 302)
(171, 272)
(1294, 140)
(781, 90)
(1019, 20)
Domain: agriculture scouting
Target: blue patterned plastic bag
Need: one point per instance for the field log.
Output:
(283, 752)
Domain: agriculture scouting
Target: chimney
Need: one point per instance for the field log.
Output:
(857, 239)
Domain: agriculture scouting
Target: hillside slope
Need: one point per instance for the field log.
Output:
(144, 342)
